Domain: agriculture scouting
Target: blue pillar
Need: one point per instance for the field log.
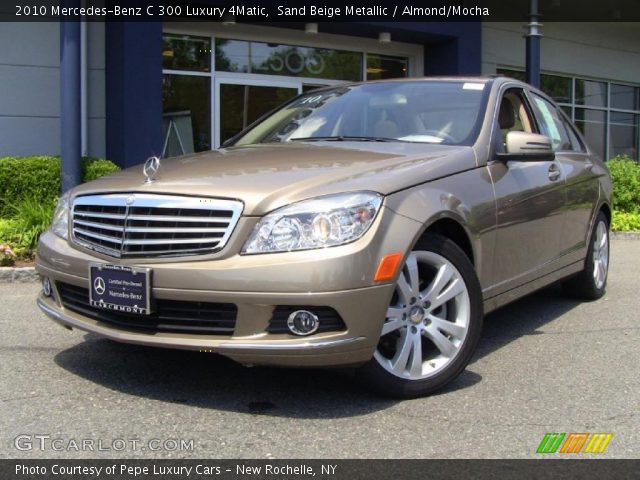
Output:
(70, 97)
(458, 53)
(533, 45)
(133, 91)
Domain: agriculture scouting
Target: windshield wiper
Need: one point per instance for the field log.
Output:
(345, 138)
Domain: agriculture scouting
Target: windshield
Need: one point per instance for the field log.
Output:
(440, 112)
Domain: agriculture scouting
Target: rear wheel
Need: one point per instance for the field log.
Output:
(591, 283)
(432, 325)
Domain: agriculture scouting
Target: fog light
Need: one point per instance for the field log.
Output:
(46, 286)
(303, 322)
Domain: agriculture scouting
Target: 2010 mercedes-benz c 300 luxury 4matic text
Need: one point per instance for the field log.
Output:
(367, 225)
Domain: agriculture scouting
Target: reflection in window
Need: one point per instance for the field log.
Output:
(517, 74)
(287, 60)
(558, 88)
(592, 124)
(381, 67)
(187, 124)
(551, 124)
(425, 112)
(241, 105)
(625, 97)
(623, 126)
(591, 93)
(184, 52)
(623, 134)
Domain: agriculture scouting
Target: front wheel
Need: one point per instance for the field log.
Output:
(432, 325)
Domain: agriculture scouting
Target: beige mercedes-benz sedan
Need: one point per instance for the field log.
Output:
(368, 226)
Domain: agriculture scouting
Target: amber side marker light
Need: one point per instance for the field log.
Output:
(387, 267)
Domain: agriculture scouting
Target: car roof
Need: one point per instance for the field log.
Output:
(498, 79)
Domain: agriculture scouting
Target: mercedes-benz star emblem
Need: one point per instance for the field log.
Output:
(131, 199)
(150, 169)
(99, 286)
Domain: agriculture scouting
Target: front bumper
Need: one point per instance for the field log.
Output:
(321, 350)
(340, 278)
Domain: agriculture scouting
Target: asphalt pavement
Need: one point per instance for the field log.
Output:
(545, 364)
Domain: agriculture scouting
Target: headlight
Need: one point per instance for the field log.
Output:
(316, 223)
(60, 223)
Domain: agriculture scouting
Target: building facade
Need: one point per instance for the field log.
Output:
(166, 89)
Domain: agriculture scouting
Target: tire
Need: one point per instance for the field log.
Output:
(591, 283)
(436, 310)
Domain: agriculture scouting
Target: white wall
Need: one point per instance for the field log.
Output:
(609, 51)
(30, 89)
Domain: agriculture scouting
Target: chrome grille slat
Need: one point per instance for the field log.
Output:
(148, 225)
(117, 240)
(164, 218)
(115, 216)
(180, 241)
(171, 230)
(105, 226)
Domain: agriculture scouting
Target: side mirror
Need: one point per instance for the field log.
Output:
(525, 146)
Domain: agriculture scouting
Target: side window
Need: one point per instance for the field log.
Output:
(551, 124)
(513, 116)
(576, 143)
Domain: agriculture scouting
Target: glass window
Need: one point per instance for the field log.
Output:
(184, 52)
(593, 94)
(576, 143)
(623, 134)
(288, 60)
(425, 112)
(558, 88)
(624, 97)
(241, 105)
(610, 98)
(517, 74)
(551, 124)
(186, 104)
(592, 124)
(381, 67)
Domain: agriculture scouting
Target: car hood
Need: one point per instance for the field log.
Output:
(266, 177)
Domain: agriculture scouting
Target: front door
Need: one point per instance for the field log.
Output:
(582, 185)
(530, 199)
(241, 101)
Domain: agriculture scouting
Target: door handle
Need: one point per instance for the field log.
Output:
(588, 166)
(554, 172)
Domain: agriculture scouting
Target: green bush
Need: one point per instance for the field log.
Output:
(31, 218)
(39, 178)
(625, 175)
(94, 168)
(36, 177)
(625, 221)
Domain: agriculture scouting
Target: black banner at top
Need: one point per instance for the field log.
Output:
(319, 11)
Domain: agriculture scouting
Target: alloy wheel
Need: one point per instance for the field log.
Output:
(600, 255)
(428, 319)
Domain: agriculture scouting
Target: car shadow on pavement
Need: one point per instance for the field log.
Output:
(211, 381)
(523, 317)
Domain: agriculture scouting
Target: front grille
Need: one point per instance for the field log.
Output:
(330, 320)
(146, 225)
(169, 315)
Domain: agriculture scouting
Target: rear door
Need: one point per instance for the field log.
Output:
(581, 183)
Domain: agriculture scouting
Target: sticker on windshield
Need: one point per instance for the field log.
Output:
(473, 86)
